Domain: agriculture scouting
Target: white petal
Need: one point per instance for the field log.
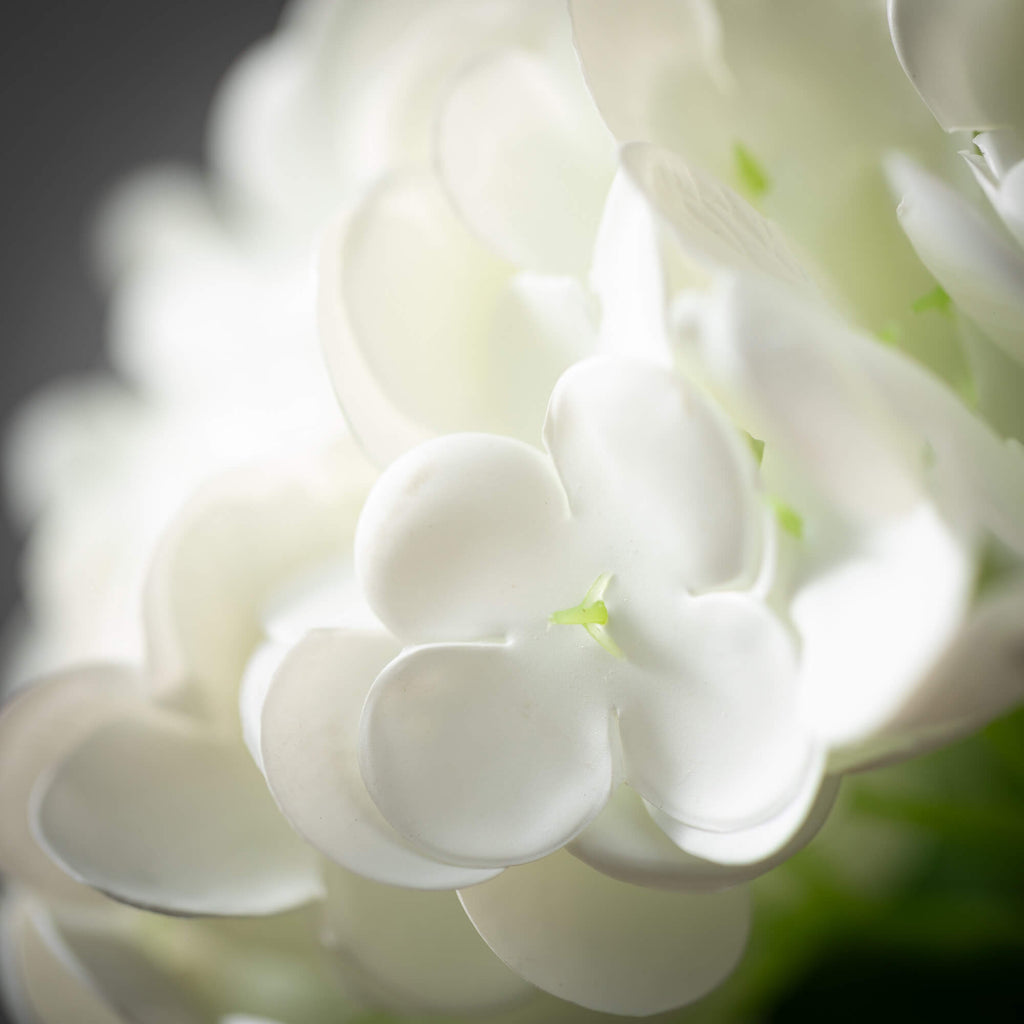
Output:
(418, 950)
(716, 740)
(627, 275)
(231, 547)
(746, 853)
(964, 59)
(632, 843)
(37, 730)
(715, 226)
(979, 267)
(786, 370)
(469, 347)
(155, 813)
(490, 755)
(310, 757)
(988, 652)
(48, 986)
(526, 160)
(460, 539)
(645, 455)
(873, 625)
(610, 946)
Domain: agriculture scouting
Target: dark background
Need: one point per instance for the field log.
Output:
(91, 90)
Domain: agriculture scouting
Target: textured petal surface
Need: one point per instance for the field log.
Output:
(873, 626)
(715, 225)
(714, 739)
(489, 755)
(417, 950)
(964, 59)
(152, 811)
(37, 730)
(459, 539)
(310, 757)
(604, 944)
(643, 454)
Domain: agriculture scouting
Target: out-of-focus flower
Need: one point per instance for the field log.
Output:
(591, 690)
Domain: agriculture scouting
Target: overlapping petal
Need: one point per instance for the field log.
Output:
(490, 755)
(645, 456)
(416, 951)
(604, 944)
(309, 753)
(964, 59)
(189, 828)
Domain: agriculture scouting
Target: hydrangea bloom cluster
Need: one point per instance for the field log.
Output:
(677, 473)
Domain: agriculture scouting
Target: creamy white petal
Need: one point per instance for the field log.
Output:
(215, 568)
(963, 58)
(154, 812)
(641, 845)
(490, 754)
(979, 267)
(873, 625)
(38, 728)
(977, 676)
(787, 371)
(526, 159)
(627, 276)
(746, 853)
(606, 945)
(460, 539)
(417, 950)
(643, 454)
(309, 741)
(714, 737)
(47, 986)
(713, 223)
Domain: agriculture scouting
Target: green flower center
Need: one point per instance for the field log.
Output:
(592, 614)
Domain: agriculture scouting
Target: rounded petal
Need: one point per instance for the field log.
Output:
(873, 625)
(459, 539)
(964, 59)
(506, 125)
(471, 346)
(309, 743)
(643, 454)
(609, 946)
(641, 845)
(977, 265)
(718, 742)
(989, 652)
(214, 571)
(489, 755)
(416, 951)
(746, 853)
(38, 729)
(156, 813)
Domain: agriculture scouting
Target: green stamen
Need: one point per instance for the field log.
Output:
(751, 175)
(757, 447)
(938, 299)
(582, 615)
(592, 614)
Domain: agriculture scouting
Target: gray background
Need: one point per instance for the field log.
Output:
(89, 91)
